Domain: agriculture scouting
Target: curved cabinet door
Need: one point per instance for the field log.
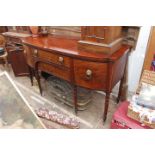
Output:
(91, 75)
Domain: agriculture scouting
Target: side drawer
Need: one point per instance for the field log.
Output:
(90, 74)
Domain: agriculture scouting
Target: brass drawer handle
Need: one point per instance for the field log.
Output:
(35, 52)
(100, 38)
(61, 60)
(89, 74)
(92, 36)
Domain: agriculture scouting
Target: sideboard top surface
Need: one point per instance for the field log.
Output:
(69, 47)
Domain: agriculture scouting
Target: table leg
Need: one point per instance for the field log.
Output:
(31, 74)
(38, 80)
(120, 90)
(106, 106)
(75, 98)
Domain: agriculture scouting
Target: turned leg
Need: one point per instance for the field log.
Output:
(38, 80)
(75, 99)
(31, 74)
(106, 106)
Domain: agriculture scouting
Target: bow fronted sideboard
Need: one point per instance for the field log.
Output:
(61, 57)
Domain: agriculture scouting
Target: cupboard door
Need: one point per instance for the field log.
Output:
(90, 75)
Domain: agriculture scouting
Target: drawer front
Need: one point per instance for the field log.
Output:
(63, 74)
(90, 74)
(54, 58)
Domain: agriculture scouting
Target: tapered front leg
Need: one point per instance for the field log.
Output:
(75, 98)
(106, 106)
(120, 90)
(31, 74)
(38, 80)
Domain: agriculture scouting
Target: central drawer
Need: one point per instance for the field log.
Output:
(57, 71)
(54, 58)
(91, 75)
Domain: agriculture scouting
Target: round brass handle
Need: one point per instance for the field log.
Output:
(35, 52)
(92, 36)
(61, 59)
(89, 73)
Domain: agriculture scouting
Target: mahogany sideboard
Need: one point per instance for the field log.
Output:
(61, 57)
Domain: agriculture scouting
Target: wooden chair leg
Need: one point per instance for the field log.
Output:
(75, 99)
(106, 106)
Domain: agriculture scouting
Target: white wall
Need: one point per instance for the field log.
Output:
(136, 58)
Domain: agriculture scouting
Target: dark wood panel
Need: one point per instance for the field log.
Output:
(18, 62)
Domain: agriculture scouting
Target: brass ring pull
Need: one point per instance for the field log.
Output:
(61, 59)
(89, 74)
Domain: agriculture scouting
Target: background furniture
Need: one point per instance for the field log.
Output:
(61, 57)
(15, 52)
(19, 29)
(3, 29)
(3, 49)
(150, 51)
